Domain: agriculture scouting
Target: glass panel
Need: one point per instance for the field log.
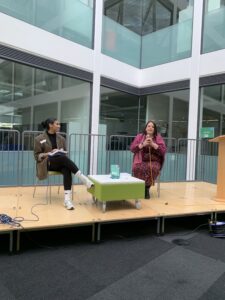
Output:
(156, 16)
(213, 92)
(120, 42)
(212, 112)
(6, 86)
(128, 13)
(118, 113)
(27, 97)
(180, 118)
(213, 27)
(157, 109)
(75, 110)
(42, 112)
(163, 28)
(213, 108)
(23, 81)
(19, 9)
(168, 44)
(45, 81)
(71, 19)
(170, 112)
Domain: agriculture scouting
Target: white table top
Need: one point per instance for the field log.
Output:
(124, 178)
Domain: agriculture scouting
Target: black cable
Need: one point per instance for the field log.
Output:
(190, 232)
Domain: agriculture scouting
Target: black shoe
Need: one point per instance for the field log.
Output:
(147, 194)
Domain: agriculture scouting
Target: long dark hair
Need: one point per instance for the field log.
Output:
(45, 124)
(155, 128)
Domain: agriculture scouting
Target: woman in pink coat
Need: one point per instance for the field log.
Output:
(149, 153)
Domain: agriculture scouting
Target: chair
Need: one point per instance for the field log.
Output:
(50, 173)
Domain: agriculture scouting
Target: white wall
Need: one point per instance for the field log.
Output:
(170, 72)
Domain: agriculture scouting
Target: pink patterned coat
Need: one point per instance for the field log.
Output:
(143, 169)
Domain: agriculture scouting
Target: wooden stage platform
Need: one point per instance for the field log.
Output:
(177, 199)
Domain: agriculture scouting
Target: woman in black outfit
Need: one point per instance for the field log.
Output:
(50, 155)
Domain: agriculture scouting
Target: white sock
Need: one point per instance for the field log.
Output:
(67, 200)
(67, 195)
(84, 179)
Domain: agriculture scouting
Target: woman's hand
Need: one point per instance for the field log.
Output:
(150, 143)
(147, 142)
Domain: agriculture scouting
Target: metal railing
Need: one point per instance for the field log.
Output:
(185, 159)
(10, 147)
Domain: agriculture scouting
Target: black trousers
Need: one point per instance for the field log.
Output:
(64, 165)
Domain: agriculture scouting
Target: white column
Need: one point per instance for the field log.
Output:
(96, 84)
(194, 89)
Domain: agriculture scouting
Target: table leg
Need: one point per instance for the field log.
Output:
(93, 233)
(98, 232)
(11, 241)
(163, 225)
(138, 204)
(18, 241)
(103, 206)
(158, 226)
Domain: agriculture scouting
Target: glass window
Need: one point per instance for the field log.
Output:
(42, 112)
(28, 96)
(6, 86)
(167, 32)
(213, 108)
(118, 113)
(45, 81)
(161, 29)
(75, 109)
(169, 111)
(23, 81)
(213, 26)
(70, 19)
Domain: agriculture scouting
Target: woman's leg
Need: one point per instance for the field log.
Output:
(57, 165)
(147, 193)
(64, 161)
(67, 182)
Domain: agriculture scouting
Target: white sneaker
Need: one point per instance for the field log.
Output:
(68, 204)
(84, 179)
(89, 183)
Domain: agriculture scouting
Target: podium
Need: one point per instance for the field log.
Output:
(220, 196)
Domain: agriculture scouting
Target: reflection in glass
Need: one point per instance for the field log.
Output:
(6, 86)
(213, 26)
(29, 95)
(45, 81)
(71, 19)
(118, 113)
(213, 108)
(75, 109)
(161, 29)
(23, 81)
(169, 111)
(42, 112)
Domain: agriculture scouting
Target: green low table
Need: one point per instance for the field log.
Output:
(108, 189)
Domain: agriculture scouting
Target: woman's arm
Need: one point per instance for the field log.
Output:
(40, 151)
(137, 144)
(159, 145)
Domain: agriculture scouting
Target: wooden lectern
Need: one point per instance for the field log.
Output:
(221, 168)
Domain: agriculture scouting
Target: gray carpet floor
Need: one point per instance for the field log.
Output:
(131, 262)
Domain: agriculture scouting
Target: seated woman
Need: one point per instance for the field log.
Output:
(48, 158)
(149, 153)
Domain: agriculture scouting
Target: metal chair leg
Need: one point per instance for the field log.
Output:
(35, 188)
